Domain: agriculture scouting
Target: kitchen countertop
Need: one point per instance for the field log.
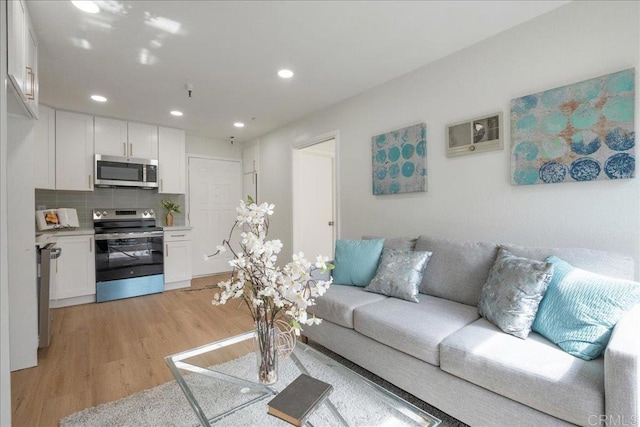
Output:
(177, 228)
(44, 237)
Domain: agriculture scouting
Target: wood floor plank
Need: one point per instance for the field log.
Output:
(103, 352)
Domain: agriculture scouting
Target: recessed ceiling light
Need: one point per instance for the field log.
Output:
(176, 113)
(98, 98)
(239, 124)
(86, 6)
(285, 74)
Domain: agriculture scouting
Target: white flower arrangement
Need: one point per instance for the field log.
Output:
(268, 289)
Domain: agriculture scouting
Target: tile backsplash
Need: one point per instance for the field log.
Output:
(85, 201)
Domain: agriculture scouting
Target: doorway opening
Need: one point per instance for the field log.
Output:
(314, 198)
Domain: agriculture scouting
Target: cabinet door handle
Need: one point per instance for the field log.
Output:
(30, 93)
(56, 266)
(124, 146)
(131, 149)
(160, 184)
(177, 235)
(166, 249)
(91, 244)
(89, 180)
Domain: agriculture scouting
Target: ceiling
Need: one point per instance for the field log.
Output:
(140, 55)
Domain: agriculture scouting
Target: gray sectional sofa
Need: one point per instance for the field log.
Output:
(443, 352)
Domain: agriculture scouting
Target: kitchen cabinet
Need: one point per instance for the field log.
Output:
(143, 140)
(110, 137)
(45, 150)
(177, 258)
(22, 55)
(74, 151)
(171, 161)
(75, 268)
(128, 139)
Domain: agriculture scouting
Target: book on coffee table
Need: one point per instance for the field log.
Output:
(299, 399)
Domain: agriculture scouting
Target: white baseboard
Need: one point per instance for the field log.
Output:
(177, 285)
(66, 302)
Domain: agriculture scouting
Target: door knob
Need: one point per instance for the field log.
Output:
(330, 223)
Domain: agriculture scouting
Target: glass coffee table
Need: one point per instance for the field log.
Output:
(227, 393)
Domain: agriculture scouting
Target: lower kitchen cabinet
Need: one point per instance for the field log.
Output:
(177, 259)
(75, 271)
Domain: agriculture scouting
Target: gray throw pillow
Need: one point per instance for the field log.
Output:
(399, 274)
(513, 291)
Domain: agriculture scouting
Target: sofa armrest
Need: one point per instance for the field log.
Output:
(622, 370)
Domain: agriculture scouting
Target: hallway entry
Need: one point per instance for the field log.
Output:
(314, 200)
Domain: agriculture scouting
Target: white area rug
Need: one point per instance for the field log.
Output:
(166, 405)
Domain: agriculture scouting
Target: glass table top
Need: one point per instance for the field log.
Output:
(219, 381)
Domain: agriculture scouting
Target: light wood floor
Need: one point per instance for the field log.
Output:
(103, 352)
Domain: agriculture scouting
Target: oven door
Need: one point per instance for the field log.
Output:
(128, 255)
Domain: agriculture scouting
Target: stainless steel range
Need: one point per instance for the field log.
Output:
(129, 257)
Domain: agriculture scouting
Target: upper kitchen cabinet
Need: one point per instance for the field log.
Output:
(111, 137)
(45, 151)
(22, 56)
(143, 140)
(171, 160)
(74, 151)
(121, 138)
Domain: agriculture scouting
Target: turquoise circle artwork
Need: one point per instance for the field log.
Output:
(394, 154)
(554, 123)
(585, 116)
(399, 160)
(576, 133)
(621, 165)
(553, 172)
(585, 143)
(554, 147)
(620, 139)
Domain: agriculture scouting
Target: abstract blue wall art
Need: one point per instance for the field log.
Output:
(579, 132)
(399, 160)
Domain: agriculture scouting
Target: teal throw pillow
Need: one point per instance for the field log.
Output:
(356, 261)
(580, 308)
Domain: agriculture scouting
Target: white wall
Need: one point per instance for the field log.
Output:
(23, 312)
(5, 376)
(470, 197)
(198, 145)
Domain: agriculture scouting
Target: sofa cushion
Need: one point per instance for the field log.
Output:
(415, 329)
(513, 292)
(404, 243)
(601, 262)
(581, 308)
(457, 270)
(399, 274)
(338, 303)
(534, 372)
(356, 261)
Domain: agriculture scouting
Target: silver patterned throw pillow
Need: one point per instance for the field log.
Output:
(399, 274)
(513, 291)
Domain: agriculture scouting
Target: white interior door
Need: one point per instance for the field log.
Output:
(314, 201)
(215, 189)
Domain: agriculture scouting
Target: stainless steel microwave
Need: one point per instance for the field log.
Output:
(114, 171)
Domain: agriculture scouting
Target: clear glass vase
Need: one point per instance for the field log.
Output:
(266, 348)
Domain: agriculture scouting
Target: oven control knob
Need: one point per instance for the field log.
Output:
(104, 213)
(96, 213)
(151, 212)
